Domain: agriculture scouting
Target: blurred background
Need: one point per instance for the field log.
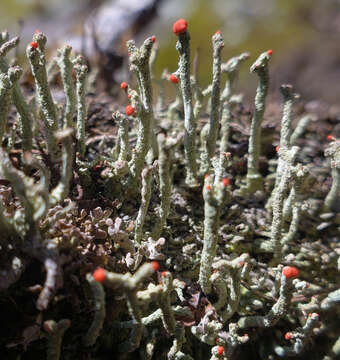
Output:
(303, 34)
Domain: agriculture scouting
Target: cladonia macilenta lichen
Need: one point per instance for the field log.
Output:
(146, 229)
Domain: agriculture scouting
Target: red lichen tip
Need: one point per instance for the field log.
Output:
(99, 274)
(174, 79)
(290, 272)
(155, 265)
(270, 52)
(129, 96)
(220, 350)
(219, 32)
(313, 314)
(180, 26)
(208, 187)
(330, 138)
(34, 44)
(47, 327)
(153, 38)
(225, 181)
(277, 148)
(37, 31)
(288, 336)
(163, 273)
(129, 110)
(124, 85)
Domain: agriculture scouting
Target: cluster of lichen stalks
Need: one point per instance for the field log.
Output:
(240, 291)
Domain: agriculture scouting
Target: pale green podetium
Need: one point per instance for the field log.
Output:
(333, 152)
(139, 65)
(209, 132)
(81, 71)
(36, 57)
(7, 82)
(166, 149)
(176, 107)
(66, 67)
(278, 310)
(215, 113)
(285, 135)
(24, 115)
(146, 195)
(121, 150)
(60, 192)
(183, 48)
(254, 178)
(281, 190)
(214, 198)
(129, 284)
(231, 68)
(169, 321)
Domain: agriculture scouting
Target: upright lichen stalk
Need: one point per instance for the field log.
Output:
(231, 68)
(214, 197)
(169, 321)
(293, 205)
(286, 126)
(289, 157)
(24, 115)
(214, 122)
(333, 151)
(122, 145)
(285, 134)
(66, 68)
(278, 310)
(129, 285)
(60, 192)
(166, 148)
(81, 72)
(254, 178)
(175, 109)
(7, 82)
(226, 280)
(183, 47)
(146, 195)
(36, 56)
(139, 64)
